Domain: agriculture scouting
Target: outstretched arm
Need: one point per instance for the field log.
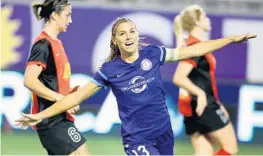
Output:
(70, 101)
(64, 104)
(203, 48)
(181, 80)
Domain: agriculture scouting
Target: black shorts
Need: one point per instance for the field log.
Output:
(212, 119)
(62, 139)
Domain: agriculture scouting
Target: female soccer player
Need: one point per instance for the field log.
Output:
(135, 79)
(47, 75)
(206, 123)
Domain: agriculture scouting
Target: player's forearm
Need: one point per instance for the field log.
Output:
(70, 101)
(187, 84)
(41, 90)
(61, 106)
(203, 48)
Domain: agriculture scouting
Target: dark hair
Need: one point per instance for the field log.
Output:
(47, 7)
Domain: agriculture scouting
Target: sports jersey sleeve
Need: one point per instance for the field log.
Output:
(193, 61)
(100, 78)
(39, 53)
(159, 53)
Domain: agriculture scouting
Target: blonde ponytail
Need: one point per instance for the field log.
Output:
(178, 30)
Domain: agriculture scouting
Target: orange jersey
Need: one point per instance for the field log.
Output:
(202, 75)
(50, 54)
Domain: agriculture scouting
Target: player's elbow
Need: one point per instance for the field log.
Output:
(177, 79)
(28, 83)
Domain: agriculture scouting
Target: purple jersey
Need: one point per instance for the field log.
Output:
(140, 94)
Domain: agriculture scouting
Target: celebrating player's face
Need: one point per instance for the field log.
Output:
(64, 19)
(127, 37)
(204, 22)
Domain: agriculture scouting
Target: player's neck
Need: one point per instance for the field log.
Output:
(129, 58)
(51, 30)
(199, 34)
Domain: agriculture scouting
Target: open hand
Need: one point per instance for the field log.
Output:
(242, 38)
(201, 103)
(28, 120)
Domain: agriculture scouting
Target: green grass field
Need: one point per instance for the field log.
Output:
(24, 143)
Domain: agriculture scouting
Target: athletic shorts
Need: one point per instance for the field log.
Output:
(212, 119)
(62, 139)
(161, 145)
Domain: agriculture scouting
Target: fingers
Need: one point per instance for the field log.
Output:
(200, 110)
(27, 120)
(27, 123)
(197, 111)
(19, 124)
(201, 105)
(71, 111)
(22, 120)
(34, 123)
(251, 36)
(242, 38)
(27, 116)
(22, 126)
(77, 108)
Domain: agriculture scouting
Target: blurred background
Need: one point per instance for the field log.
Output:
(239, 68)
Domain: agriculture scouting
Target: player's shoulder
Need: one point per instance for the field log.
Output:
(152, 51)
(150, 47)
(41, 43)
(109, 67)
(109, 64)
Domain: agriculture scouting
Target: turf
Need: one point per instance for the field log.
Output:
(26, 143)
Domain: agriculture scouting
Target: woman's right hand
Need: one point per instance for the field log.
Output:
(28, 120)
(201, 103)
(242, 38)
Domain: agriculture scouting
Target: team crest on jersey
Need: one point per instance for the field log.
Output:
(146, 64)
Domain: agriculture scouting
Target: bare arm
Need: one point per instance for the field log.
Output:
(203, 48)
(32, 82)
(70, 101)
(181, 79)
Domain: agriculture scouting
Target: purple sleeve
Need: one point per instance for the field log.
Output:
(158, 53)
(100, 79)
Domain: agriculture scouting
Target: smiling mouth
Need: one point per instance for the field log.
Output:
(129, 44)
